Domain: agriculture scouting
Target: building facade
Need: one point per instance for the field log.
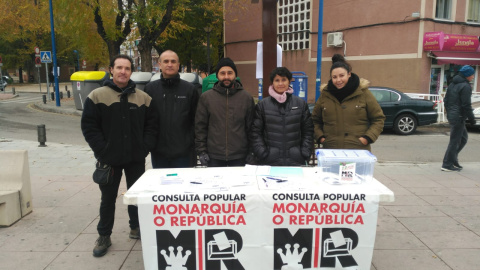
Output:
(385, 41)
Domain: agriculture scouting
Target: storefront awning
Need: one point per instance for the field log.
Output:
(458, 58)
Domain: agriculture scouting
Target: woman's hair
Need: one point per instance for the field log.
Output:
(282, 72)
(338, 61)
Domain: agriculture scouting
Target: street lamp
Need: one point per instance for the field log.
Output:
(208, 29)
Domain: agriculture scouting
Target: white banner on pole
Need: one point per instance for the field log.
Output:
(259, 73)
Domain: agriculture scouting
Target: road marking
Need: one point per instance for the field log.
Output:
(22, 100)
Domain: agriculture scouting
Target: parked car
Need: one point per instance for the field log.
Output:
(403, 113)
(476, 112)
(7, 78)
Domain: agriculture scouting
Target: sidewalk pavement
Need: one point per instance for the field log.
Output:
(434, 222)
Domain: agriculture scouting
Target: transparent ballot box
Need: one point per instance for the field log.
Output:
(345, 166)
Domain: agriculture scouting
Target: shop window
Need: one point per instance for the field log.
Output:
(473, 12)
(293, 24)
(443, 9)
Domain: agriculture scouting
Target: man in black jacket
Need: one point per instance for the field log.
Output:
(458, 105)
(119, 124)
(176, 103)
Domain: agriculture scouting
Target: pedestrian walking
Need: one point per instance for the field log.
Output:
(458, 106)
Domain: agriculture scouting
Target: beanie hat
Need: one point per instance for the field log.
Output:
(226, 62)
(467, 71)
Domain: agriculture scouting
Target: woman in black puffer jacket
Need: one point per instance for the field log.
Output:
(282, 129)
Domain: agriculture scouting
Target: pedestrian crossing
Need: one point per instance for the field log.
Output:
(22, 100)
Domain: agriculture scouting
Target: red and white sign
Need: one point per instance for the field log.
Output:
(37, 51)
(198, 224)
(439, 41)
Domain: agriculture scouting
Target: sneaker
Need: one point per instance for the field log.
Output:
(450, 169)
(101, 245)
(457, 165)
(135, 233)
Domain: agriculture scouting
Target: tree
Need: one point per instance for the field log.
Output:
(150, 28)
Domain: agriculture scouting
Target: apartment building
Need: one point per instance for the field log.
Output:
(415, 46)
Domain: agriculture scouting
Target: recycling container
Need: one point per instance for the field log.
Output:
(141, 79)
(84, 82)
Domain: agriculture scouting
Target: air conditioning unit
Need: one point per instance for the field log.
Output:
(335, 39)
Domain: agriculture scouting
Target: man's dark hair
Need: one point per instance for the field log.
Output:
(123, 56)
(282, 72)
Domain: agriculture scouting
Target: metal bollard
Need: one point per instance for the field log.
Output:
(44, 99)
(61, 95)
(13, 90)
(53, 96)
(68, 94)
(66, 88)
(42, 135)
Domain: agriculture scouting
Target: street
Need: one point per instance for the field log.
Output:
(19, 120)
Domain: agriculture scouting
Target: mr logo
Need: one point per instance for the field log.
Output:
(199, 250)
(310, 248)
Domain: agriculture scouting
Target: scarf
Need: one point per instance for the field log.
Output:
(348, 89)
(281, 98)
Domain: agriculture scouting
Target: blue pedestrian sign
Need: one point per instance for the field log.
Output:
(46, 56)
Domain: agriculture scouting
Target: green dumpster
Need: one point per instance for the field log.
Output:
(84, 82)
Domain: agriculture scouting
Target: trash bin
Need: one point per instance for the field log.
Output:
(194, 79)
(299, 84)
(156, 76)
(84, 82)
(141, 79)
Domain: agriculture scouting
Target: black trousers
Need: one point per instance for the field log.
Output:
(133, 171)
(458, 140)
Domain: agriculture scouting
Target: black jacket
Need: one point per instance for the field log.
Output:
(176, 103)
(119, 124)
(223, 120)
(282, 133)
(458, 100)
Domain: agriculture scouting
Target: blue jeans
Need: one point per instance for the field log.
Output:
(133, 171)
(458, 139)
(160, 162)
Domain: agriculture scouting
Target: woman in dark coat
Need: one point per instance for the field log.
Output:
(282, 129)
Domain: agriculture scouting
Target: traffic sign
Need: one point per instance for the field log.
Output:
(37, 51)
(46, 56)
(38, 63)
(84, 62)
(1, 61)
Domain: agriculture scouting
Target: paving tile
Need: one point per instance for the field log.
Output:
(406, 200)
(397, 189)
(453, 180)
(388, 223)
(467, 191)
(26, 260)
(453, 239)
(451, 200)
(432, 224)
(422, 182)
(397, 240)
(413, 259)
(134, 261)
(435, 190)
(414, 211)
(460, 210)
(460, 259)
(471, 222)
(38, 242)
(113, 260)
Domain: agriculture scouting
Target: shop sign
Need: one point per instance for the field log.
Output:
(439, 41)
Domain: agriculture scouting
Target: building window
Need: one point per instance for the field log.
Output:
(473, 12)
(444, 9)
(293, 24)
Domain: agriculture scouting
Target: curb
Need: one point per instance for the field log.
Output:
(42, 107)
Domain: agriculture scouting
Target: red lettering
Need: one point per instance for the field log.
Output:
(159, 221)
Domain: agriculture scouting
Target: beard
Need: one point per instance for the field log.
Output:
(222, 84)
